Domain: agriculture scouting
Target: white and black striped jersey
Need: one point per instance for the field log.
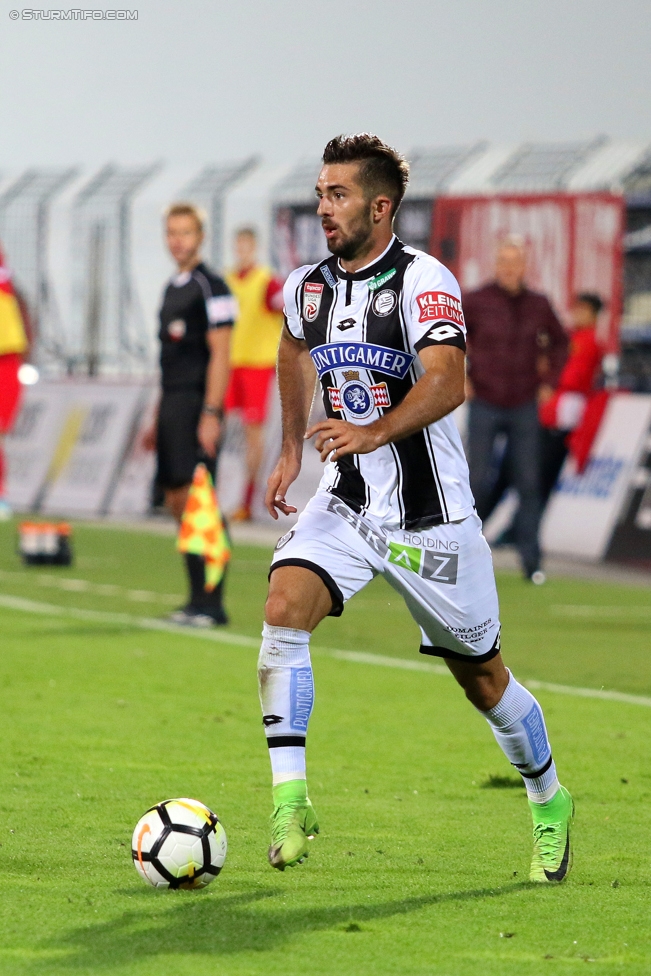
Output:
(364, 331)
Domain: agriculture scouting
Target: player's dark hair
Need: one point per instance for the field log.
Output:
(247, 232)
(383, 169)
(592, 299)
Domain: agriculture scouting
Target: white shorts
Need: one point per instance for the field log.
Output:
(444, 573)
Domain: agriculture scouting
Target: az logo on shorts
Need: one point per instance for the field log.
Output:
(430, 565)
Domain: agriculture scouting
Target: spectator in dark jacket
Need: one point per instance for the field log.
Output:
(509, 327)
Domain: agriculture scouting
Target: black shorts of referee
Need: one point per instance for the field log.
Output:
(177, 445)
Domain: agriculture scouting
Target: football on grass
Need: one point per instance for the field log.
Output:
(179, 844)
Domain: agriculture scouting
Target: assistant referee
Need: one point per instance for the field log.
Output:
(196, 319)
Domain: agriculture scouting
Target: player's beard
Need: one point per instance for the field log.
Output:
(352, 243)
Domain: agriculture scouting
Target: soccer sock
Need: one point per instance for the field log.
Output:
(286, 694)
(519, 727)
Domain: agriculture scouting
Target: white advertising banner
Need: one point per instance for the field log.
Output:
(132, 494)
(582, 514)
(91, 446)
(30, 448)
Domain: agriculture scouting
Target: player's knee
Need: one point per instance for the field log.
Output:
(481, 694)
(279, 610)
(482, 689)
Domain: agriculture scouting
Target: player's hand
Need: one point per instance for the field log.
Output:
(150, 438)
(336, 438)
(208, 434)
(282, 476)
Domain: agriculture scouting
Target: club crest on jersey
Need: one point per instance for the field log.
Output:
(312, 295)
(439, 305)
(356, 398)
(384, 302)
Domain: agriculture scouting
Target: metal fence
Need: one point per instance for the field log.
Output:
(24, 223)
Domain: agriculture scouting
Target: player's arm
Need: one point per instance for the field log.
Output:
(221, 312)
(296, 384)
(438, 391)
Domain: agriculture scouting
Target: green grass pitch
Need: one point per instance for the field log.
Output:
(421, 866)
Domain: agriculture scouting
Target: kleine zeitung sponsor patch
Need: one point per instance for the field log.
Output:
(437, 305)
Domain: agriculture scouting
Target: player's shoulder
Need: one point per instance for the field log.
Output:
(427, 271)
(298, 275)
(295, 280)
(211, 283)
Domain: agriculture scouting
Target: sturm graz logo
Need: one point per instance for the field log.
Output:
(384, 302)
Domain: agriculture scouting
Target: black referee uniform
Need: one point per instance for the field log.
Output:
(194, 302)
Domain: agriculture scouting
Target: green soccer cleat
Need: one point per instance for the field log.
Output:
(552, 850)
(293, 824)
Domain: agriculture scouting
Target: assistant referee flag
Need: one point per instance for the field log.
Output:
(202, 529)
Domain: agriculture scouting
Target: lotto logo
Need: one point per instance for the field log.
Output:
(439, 305)
(441, 332)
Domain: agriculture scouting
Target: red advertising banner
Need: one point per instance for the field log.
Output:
(574, 244)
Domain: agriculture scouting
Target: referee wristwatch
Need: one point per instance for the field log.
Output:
(213, 411)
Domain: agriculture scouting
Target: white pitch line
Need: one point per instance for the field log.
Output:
(620, 696)
(241, 640)
(104, 617)
(588, 612)
(85, 586)
(361, 657)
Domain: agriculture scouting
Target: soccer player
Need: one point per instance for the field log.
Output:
(382, 325)
(196, 320)
(259, 322)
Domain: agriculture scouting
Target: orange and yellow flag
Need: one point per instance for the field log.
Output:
(12, 333)
(202, 529)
